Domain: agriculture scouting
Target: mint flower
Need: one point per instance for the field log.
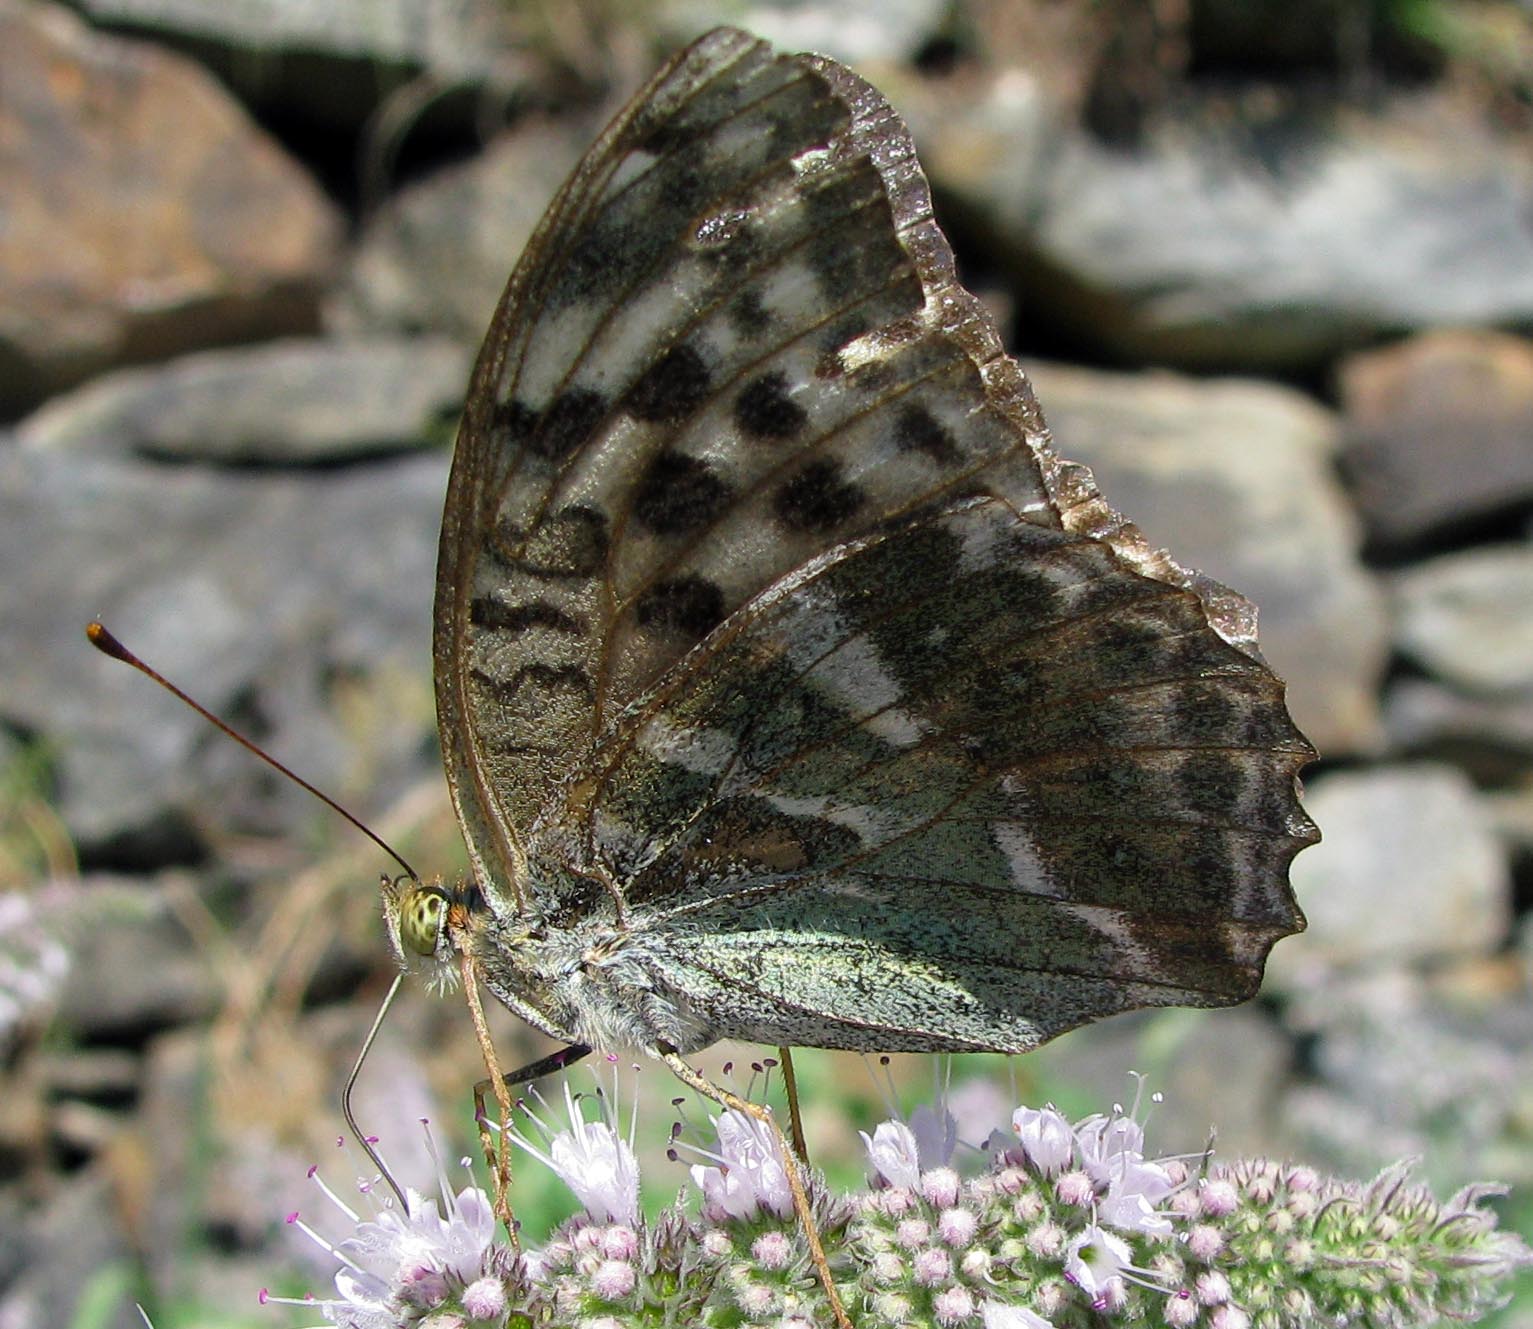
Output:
(1066, 1227)
(749, 1177)
(592, 1159)
(1047, 1139)
(398, 1267)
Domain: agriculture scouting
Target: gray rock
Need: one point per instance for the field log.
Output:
(146, 213)
(1440, 432)
(1234, 477)
(436, 256)
(1408, 1069)
(335, 62)
(1468, 618)
(856, 32)
(1410, 870)
(138, 973)
(1489, 737)
(68, 1251)
(1233, 237)
(298, 401)
(264, 594)
(1221, 1073)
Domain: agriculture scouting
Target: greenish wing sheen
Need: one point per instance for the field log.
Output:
(764, 603)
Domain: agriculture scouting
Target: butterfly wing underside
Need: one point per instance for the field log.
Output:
(763, 598)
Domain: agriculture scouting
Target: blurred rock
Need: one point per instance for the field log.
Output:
(335, 62)
(137, 974)
(860, 33)
(1220, 1071)
(1491, 738)
(300, 402)
(1410, 870)
(264, 594)
(1440, 432)
(1405, 1071)
(1234, 477)
(145, 212)
(69, 1253)
(436, 256)
(1237, 235)
(1468, 618)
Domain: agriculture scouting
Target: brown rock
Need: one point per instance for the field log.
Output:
(144, 213)
(1441, 431)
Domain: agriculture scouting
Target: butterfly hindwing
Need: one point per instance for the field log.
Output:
(977, 754)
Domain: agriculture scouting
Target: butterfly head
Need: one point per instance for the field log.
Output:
(415, 914)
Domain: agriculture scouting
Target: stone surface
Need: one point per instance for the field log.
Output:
(1490, 737)
(144, 212)
(264, 594)
(286, 402)
(1410, 871)
(69, 1259)
(1403, 1070)
(435, 258)
(1468, 618)
(137, 971)
(1440, 432)
(336, 62)
(1255, 235)
(1234, 477)
(860, 33)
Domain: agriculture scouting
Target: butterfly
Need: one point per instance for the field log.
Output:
(791, 688)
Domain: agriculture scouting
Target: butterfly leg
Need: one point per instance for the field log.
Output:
(693, 1080)
(556, 1061)
(497, 1154)
(494, 1158)
(795, 1121)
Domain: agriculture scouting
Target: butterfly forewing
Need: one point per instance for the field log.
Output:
(763, 600)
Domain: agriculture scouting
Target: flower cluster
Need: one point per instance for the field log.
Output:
(1068, 1225)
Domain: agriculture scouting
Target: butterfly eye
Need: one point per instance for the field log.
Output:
(422, 917)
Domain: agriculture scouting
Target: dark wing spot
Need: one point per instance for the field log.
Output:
(569, 421)
(540, 678)
(817, 499)
(671, 389)
(488, 612)
(764, 409)
(679, 493)
(748, 316)
(571, 543)
(515, 417)
(687, 605)
(917, 430)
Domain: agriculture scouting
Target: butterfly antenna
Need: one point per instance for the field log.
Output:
(99, 637)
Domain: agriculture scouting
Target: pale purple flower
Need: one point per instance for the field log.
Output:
(1046, 1139)
(936, 1135)
(1094, 1258)
(406, 1263)
(1130, 1189)
(750, 1175)
(594, 1161)
(999, 1316)
(953, 1305)
(894, 1153)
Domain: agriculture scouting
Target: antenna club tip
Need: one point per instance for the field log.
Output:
(97, 634)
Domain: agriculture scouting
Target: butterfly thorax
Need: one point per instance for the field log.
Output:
(583, 980)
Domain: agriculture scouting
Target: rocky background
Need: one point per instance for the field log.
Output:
(1271, 267)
